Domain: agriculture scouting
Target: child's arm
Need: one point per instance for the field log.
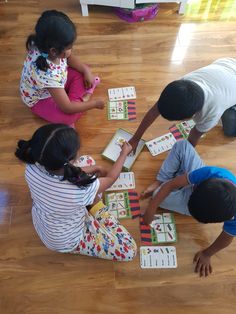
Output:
(194, 136)
(148, 119)
(114, 172)
(164, 191)
(62, 100)
(101, 171)
(203, 258)
(74, 62)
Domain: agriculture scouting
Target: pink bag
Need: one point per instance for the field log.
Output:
(139, 14)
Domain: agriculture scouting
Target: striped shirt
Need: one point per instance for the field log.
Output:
(59, 208)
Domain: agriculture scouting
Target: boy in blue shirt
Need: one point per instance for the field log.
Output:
(185, 185)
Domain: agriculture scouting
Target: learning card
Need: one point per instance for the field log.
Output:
(161, 144)
(84, 161)
(124, 204)
(121, 93)
(112, 151)
(121, 110)
(125, 181)
(182, 130)
(158, 257)
(161, 230)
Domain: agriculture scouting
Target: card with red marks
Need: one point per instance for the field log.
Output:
(123, 204)
(161, 230)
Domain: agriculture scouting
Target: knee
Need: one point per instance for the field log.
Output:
(229, 122)
(128, 251)
(181, 145)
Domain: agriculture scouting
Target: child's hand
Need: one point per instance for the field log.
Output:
(148, 216)
(88, 80)
(126, 148)
(203, 264)
(99, 103)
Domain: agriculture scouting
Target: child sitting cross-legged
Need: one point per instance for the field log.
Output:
(185, 185)
(68, 214)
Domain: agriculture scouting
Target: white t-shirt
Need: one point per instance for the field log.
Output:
(58, 210)
(218, 81)
(34, 82)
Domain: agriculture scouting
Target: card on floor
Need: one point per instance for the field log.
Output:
(122, 93)
(124, 204)
(181, 130)
(161, 144)
(84, 161)
(161, 230)
(121, 110)
(158, 257)
(125, 181)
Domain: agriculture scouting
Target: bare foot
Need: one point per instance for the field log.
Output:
(150, 189)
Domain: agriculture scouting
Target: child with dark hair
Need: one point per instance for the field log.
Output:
(68, 213)
(54, 82)
(206, 95)
(185, 185)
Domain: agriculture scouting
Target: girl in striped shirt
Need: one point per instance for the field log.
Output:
(63, 193)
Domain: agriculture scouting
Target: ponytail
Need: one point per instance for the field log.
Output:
(41, 63)
(23, 152)
(53, 146)
(76, 176)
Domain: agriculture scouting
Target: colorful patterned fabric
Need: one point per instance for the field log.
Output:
(104, 237)
(34, 82)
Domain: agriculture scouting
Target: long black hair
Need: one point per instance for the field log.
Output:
(55, 30)
(54, 146)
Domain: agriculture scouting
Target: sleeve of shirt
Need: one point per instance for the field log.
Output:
(90, 193)
(230, 227)
(199, 175)
(204, 173)
(205, 126)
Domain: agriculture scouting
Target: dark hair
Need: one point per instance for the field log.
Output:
(55, 30)
(180, 100)
(53, 146)
(213, 200)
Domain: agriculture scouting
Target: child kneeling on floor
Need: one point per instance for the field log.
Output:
(185, 185)
(63, 193)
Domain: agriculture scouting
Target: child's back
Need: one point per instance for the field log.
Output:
(59, 208)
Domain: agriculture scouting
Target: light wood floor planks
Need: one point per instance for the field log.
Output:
(147, 55)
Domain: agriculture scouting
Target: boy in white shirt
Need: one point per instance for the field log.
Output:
(205, 95)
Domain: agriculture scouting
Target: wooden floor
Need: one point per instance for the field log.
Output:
(147, 55)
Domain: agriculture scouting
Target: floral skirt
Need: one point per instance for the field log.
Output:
(105, 237)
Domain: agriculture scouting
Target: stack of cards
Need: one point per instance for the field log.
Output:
(113, 149)
(158, 257)
(123, 204)
(161, 230)
(125, 181)
(122, 93)
(182, 130)
(121, 110)
(161, 144)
